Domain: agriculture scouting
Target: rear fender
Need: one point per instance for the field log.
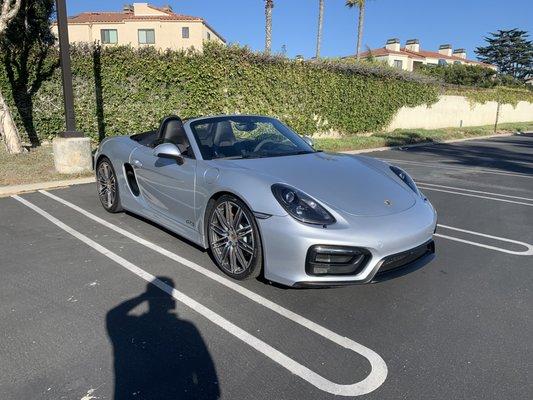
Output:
(118, 150)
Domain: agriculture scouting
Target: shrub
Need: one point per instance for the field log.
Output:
(460, 74)
(138, 87)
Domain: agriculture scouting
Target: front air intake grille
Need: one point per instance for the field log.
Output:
(335, 260)
(400, 260)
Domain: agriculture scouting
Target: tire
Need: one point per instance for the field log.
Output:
(107, 186)
(233, 238)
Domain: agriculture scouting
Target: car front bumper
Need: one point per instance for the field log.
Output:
(286, 243)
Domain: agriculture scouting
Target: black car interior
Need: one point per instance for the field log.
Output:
(220, 137)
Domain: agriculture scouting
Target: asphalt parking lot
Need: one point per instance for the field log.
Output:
(79, 319)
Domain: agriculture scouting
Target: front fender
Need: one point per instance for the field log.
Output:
(254, 190)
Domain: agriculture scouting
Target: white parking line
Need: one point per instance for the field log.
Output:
(474, 191)
(441, 166)
(528, 246)
(378, 372)
(425, 187)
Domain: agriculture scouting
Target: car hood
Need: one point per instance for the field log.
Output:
(345, 183)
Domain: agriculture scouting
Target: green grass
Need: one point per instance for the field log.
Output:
(37, 165)
(402, 137)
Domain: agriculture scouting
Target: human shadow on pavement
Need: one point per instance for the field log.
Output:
(158, 356)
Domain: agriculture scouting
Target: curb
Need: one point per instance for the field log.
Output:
(425, 143)
(32, 187)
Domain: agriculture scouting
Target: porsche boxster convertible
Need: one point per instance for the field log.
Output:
(264, 201)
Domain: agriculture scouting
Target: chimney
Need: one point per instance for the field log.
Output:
(445, 49)
(127, 8)
(393, 44)
(412, 45)
(167, 8)
(461, 53)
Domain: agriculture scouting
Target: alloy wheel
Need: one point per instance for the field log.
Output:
(107, 184)
(232, 237)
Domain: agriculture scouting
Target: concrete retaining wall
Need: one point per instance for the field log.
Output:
(456, 111)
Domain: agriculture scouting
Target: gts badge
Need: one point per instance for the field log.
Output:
(189, 223)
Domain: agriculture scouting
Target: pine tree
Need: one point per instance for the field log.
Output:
(510, 51)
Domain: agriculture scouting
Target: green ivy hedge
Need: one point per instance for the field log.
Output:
(502, 94)
(138, 87)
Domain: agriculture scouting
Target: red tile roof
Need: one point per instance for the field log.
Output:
(382, 51)
(103, 17)
(436, 54)
(90, 17)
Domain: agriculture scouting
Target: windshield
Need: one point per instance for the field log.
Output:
(246, 137)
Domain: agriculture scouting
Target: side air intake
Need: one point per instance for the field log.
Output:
(132, 180)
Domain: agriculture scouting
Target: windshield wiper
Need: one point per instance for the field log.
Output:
(251, 155)
(242, 156)
(295, 153)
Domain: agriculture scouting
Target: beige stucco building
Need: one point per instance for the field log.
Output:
(411, 55)
(141, 24)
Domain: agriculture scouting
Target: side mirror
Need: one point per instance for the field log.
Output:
(309, 141)
(168, 150)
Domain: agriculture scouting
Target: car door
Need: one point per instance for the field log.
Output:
(167, 187)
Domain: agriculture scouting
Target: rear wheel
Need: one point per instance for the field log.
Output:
(234, 238)
(107, 185)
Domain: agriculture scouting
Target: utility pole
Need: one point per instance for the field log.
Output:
(66, 72)
(72, 150)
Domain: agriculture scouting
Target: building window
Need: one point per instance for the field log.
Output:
(109, 36)
(146, 36)
(208, 36)
(417, 64)
(442, 62)
(398, 64)
(185, 32)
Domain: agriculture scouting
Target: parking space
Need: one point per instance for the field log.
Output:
(80, 317)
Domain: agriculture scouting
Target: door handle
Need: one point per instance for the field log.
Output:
(137, 164)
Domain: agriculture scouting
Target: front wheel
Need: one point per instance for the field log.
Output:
(107, 185)
(234, 238)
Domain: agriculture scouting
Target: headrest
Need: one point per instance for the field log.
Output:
(224, 135)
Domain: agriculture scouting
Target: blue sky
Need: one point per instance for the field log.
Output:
(462, 23)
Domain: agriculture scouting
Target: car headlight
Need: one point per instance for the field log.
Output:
(301, 206)
(405, 178)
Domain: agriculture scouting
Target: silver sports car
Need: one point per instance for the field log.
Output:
(263, 201)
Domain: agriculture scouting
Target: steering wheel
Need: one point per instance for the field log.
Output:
(262, 143)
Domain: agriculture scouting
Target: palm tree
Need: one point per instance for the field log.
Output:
(361, 5)
(320, 22)
(269, 5)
